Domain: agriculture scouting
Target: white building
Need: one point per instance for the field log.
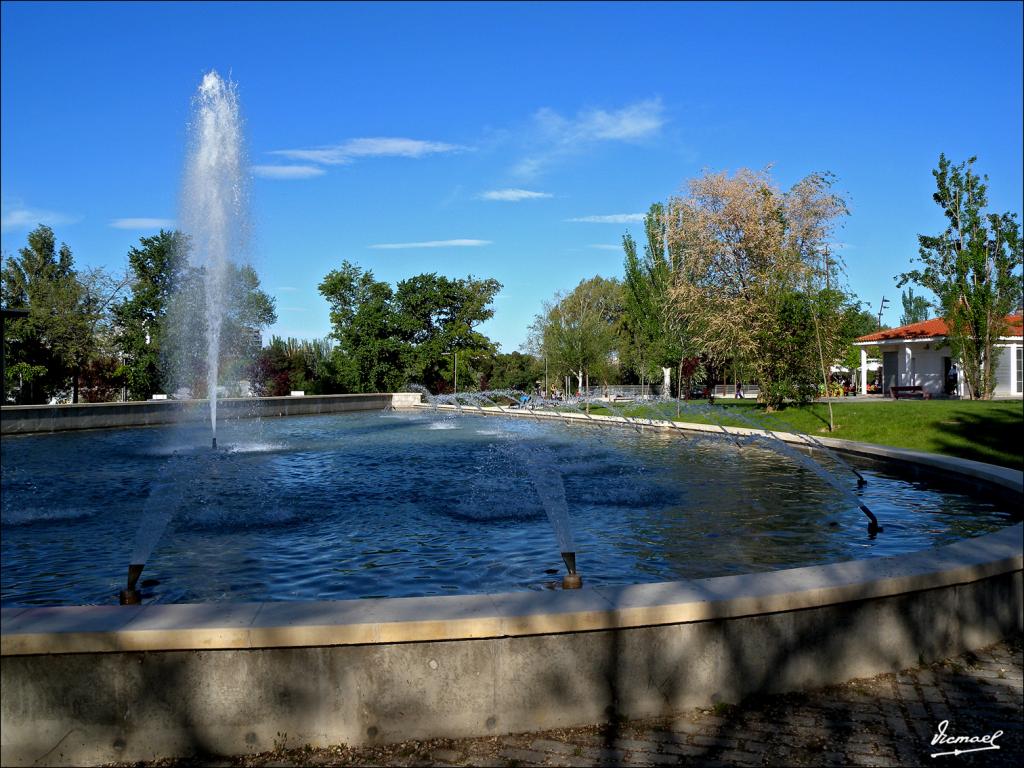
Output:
(919, 355)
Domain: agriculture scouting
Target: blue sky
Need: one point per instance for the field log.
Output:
(515, 141)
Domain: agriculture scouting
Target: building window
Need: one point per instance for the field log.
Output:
(1020, 369)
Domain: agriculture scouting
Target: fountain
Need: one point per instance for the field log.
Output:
(688, 538)
(215, 222)
(214, 200)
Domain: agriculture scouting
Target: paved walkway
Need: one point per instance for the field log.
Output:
(889, 720)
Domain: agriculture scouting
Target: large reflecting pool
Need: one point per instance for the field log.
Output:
(401, 504)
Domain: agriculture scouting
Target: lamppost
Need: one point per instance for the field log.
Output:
(881, 308)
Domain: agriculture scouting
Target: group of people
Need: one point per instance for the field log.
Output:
(538, 394)
(557, 394)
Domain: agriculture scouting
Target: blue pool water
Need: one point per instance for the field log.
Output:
(402, 504)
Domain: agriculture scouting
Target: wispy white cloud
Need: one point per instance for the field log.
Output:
(513, 195)
(613, 218)
(631, 123)
(605, 247)
(555, 137)
(142, 223)
(348, 151)
(433, 244)
(16, 215)
(287, 171)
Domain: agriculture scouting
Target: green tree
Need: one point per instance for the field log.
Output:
(247, 310)
(915, 308)
(756, 281)
(155, 269)
(48, 348)
(856, 322)
(581, 330)
(370, 356)
(161, 325)
(515, 370)
(658, 334)
(973, 268)
(294, 364)
(438, 317)
(90, 347)
(388, 338)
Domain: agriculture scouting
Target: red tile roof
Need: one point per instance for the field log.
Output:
(930, 329)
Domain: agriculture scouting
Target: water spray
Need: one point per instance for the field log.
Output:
(214, 210)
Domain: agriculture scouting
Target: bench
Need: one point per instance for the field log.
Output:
(915, 391)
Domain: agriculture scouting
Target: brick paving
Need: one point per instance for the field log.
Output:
(889, 720)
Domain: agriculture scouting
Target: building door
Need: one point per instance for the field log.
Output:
(890, 371)
(948, 382)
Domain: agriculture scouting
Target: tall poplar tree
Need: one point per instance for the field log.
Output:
(915, 308)
(973, 267)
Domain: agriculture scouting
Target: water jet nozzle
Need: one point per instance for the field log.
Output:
(873, 526)
(571, 580)
(215, 443)
(131, 596)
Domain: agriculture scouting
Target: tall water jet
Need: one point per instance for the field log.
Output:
(213, 206)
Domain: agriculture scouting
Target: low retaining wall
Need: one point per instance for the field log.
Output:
(94, 684)
(27, 419)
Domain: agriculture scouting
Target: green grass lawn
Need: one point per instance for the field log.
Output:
(992, 432)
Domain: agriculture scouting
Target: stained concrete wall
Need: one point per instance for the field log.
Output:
(27, 419)
(95, 708)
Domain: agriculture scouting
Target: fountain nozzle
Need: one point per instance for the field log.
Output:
(873, 526)
(215, 443)
(131, 596)
(571, 580)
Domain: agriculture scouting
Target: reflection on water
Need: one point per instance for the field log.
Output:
(342, 506)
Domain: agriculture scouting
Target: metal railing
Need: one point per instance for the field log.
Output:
(625, 390)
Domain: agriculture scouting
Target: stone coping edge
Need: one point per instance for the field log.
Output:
(36, 419)
(212, 626)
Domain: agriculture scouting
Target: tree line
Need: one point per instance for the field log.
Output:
(735, 279)
(91, 336)
(738, 278)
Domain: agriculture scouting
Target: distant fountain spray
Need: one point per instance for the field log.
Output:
(214, 204)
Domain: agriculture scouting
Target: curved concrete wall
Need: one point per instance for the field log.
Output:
(95, 684)
(28, 419)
